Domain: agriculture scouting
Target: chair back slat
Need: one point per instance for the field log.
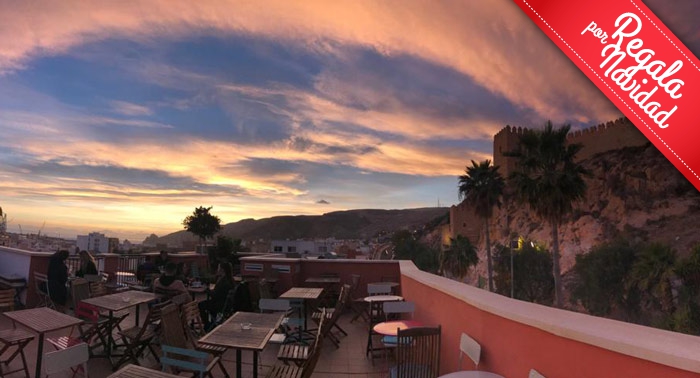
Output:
(471, 348)
(97, 289)
(86, 311)
(418, 353)
(7, 299)
(192, 320)
(80, 290)
(399, 308)
(378, 289)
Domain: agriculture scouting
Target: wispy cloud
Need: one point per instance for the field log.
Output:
(130, 109)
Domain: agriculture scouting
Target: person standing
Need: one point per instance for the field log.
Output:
(88, 266)
(57, 276)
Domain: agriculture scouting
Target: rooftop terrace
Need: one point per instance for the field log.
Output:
(515, 336)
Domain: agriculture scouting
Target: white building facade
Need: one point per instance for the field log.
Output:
(93, 242)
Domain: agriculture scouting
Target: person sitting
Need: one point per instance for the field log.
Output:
(87, 265)
(146, 268)
(169, 283)
(215, 304)
(57, 276)
(162, 260)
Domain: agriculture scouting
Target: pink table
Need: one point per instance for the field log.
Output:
(390, 328)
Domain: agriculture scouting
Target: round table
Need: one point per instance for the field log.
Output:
(391, 328)
(471, 374)
(383, 298)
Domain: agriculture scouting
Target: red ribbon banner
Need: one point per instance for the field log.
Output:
(638, 63)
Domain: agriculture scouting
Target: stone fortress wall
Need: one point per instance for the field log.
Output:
(604, 137)
(608, 136)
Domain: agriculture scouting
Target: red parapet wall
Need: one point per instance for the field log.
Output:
(512, 348)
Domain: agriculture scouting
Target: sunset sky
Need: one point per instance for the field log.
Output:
(123, 116)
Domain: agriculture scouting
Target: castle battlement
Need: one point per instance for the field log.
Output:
(599, 138)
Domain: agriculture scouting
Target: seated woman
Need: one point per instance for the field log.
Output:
(87, 265)
(217, 299)
(169, 283)
(57, 276)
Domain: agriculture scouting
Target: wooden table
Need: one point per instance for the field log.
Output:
(231, 335)
(118, 302)
(391, 328)
(303, 293)
(42, 320)
(135, 371)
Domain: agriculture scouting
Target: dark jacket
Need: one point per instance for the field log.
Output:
(89, 269)
(218, 296)
(57, 275)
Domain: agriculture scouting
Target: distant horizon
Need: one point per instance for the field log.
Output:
(120, 117)
(139, 239)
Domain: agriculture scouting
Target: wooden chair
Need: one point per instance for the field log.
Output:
(176, 352)
(7, 300)
(64, 359)
(95, 329)
(41, 286)
(307, 366)
(19, 338)
(333, 314)
(264, 289)
(357, 301)
(137, 339)
(194, 329)
(418, 353)
(97, 289)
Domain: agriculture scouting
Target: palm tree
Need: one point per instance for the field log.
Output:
(482, 186)
(459, 257)
(653, 274)
(549, 180)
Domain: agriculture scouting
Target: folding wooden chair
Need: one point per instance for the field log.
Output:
(176, 352)
(19, 338)
(303, 367)
(333, 314)
(41, 286)
(137, 339)
(418, 353)
(95, 329)
(194, 329)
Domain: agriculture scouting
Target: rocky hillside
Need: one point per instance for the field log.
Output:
(633, 192)
(351, 224)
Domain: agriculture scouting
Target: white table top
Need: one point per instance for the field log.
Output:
(383, 298)
(471, 374)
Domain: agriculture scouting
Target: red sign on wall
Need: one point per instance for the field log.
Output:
(638, 63)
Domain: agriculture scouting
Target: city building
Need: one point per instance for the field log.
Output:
(96, 242)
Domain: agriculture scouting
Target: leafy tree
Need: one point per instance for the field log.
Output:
(532, 266)
(482, 185)
(652, 274)
(406, 247)
(549, 180)
(459, 257)
(600, 280)
(202, 223)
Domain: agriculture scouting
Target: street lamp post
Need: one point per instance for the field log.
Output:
(512, 283)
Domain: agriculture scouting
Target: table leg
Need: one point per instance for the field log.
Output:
(39, 354)
(239, 373)
(138, 307)
(110, 338)
(255, 364)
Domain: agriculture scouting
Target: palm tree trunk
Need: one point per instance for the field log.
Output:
(489, 264)
(556, 272)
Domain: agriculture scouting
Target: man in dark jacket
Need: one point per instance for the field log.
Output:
(57, 276)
